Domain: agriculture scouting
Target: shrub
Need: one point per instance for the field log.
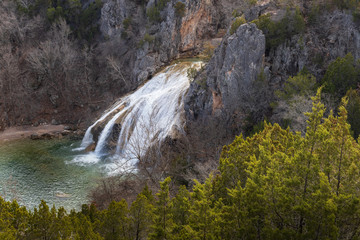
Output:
(147, 38)
(314, 13)
(127, 23)
(356, 14)
(153, 14)
(161, 4)
(202, 82)
(180, 9)
(353, 109)
(302, 84)
(252, 2)
(236, 24)
(191, 73)
(235, 13)
(277, 32)
(341, 75)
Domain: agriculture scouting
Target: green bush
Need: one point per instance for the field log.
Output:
(341, 75)
(236, 24)
(202, 82)
(314, 13)
(301, 84)
(147, 38)
(180, 9)
(356, 14)
(153, 14)
(127, 23)
(277, 32)
(353, 108)
(161, 4)
(235, 13)
(252, 2)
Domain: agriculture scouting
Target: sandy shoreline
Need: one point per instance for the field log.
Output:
(16, 133)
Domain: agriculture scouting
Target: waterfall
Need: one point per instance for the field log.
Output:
(150, 114)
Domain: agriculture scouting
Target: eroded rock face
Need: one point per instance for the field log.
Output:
(173, 37)
(333, 35)
(200, 22)
(231, 78)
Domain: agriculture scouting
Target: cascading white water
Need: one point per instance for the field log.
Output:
(149, 114)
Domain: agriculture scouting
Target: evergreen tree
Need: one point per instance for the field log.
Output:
(115, 224)
(140, 216)
(162, 221)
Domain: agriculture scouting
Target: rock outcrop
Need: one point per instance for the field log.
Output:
(333, 35)
(173, 37)
(232, 79)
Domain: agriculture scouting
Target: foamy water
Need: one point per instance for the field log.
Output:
(142, 118)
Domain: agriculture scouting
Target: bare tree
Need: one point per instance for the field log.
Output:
(115, 69)
(56, 61)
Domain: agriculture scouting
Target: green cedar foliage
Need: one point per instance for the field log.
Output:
(180, 9)
(341, 75)
(277, 32)
(302, 84)
(140, 217)
(162, 220)
(153, 12)
(115, 224)
(293, 187)
(236, 24)
(353, 109)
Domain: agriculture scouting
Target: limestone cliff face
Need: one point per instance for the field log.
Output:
(239, 82)
(173, 37)
(333, 35)
(231, 77)
(202, 21)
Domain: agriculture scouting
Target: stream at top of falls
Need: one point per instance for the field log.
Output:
(63, 174)
(139, 120)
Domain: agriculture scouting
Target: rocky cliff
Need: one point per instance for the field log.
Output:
(156, 43)
(238, 84)
(229, 87)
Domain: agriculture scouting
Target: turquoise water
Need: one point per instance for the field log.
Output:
(34, 170)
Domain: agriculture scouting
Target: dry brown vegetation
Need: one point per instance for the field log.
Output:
(46, 73)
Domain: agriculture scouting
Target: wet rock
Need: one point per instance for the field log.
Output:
(47, 136)
(34, 136)
(90, 148)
